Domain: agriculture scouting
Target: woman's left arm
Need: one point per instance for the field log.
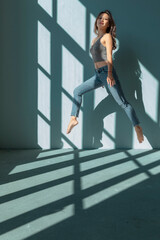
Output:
(109, 45)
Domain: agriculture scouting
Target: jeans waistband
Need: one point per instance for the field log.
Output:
(98, 70)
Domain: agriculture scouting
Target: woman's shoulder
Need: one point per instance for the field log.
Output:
(107, 35)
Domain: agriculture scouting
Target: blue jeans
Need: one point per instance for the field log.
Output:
(99, 79)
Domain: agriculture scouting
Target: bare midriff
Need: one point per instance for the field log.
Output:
(100, 64)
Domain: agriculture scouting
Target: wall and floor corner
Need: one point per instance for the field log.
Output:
(45, 55)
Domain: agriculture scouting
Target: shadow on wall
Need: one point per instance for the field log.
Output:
(131, 81)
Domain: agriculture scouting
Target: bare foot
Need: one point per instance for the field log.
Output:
(139, 132)
(73, 122)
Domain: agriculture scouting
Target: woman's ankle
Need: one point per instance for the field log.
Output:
(73, 117)
(137, 126)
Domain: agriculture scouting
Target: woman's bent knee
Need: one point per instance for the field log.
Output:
(76, 91)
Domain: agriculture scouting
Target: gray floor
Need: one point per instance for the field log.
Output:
(80, 194)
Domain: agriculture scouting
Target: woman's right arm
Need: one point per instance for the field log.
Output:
(109, 45)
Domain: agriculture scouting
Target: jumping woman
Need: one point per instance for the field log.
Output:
(101, 50)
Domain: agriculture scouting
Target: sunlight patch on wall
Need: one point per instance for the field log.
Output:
(73, 20)
(43, 133)
(44, 92)
(46, 5)
(72, 76)
(150, 96)
(44, 48)
(150, 91)
(44, 86)
(109, 122)
(92, 34)
(99, 95)
(108, 139)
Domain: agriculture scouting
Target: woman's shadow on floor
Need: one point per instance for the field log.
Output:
(128, 72)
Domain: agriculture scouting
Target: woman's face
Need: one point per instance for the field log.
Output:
(103, 21)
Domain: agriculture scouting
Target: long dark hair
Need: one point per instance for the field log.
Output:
(111, 29)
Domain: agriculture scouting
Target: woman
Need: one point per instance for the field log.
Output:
(101, 50)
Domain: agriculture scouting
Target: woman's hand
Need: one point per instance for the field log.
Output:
(110, 79)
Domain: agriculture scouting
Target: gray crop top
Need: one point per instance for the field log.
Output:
(98, 51)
